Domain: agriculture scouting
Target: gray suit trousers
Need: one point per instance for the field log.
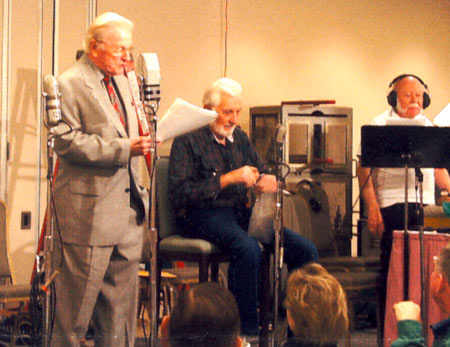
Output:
(100, 281)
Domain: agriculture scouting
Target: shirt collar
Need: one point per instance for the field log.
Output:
(441, 327)
(229, 137)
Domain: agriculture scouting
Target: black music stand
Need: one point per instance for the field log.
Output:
(400, 146)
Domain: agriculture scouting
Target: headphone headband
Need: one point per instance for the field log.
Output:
(399, 77)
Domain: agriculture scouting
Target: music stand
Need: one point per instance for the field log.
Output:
(396, 146)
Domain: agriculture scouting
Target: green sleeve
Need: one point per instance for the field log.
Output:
(409, 334)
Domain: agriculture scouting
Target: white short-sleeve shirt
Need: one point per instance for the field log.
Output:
(389, 183)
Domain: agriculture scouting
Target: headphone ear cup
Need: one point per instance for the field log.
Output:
(426, 100)
(315, 204)
(392, 98)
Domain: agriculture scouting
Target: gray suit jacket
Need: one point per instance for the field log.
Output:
(92, 187)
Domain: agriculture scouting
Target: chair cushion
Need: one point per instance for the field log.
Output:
(10, 292)
(177, 243)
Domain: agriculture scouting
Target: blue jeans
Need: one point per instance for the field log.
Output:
(227, 228)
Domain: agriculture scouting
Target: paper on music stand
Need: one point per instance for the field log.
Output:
(406, 121)
(182, 117)
(443, 118)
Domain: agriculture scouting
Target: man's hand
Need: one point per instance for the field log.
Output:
(246, 175)
(140, 145)
(267, 184)
(375, 221)
(407, 310)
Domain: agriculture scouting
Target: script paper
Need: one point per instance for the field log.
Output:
(182, 117)
(443, 118)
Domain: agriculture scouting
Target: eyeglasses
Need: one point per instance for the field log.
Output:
(116, 51)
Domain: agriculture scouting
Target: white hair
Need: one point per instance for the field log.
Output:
(102, 23)
(212, 95)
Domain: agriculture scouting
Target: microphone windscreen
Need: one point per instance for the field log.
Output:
(280, 133)
(50, 86)
(148, 67)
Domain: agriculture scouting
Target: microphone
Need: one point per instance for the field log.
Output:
(149, 69)
(52, 101)
(276, 146)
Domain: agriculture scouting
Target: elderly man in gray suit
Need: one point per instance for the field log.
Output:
(100, 208)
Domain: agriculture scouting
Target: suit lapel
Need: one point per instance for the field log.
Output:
(93, 78)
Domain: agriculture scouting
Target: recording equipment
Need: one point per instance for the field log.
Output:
(274, 153)
(392, 94)
(52, 101)
(148, 66)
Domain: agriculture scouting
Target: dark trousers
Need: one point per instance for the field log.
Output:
(227, 228)
(393, 218)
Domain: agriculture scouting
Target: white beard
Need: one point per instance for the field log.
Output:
(220, 130)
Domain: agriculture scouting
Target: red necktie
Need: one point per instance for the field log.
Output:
(114, 100)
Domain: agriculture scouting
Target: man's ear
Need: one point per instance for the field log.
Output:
(93, 48)
(444, 285)
(165, 331)
(238, 342)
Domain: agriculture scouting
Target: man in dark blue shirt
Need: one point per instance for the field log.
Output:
(210, 173)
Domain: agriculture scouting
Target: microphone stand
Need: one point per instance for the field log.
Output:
(420, 214)
(405, 235)
(278, 251)
(48, 240)
(150, 108)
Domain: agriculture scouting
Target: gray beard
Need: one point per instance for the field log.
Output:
(220, 130)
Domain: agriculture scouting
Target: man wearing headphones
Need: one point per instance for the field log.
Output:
(383, 189)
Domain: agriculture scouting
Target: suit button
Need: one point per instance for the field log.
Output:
(127, 190)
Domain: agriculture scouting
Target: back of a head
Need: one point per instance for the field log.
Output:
(206, 315)
(212, 95)
(316, 305)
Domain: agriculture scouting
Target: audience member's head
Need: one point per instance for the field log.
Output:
(206, 315)
(439, 280)
(316, 306)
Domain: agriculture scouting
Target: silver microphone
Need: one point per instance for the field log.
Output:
(276, 145)
(52, 101)
(148, 66)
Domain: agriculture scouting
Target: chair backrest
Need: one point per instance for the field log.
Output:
(5, 271)
(166, 215)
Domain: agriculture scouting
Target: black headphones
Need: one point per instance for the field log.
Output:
(392, 95)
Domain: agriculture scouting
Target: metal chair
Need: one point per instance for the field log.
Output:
(174, 247)
(13, 298)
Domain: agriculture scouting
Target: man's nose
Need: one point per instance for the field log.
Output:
(125, 56)
(234, 118)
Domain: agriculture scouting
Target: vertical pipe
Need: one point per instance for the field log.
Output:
(4, 121)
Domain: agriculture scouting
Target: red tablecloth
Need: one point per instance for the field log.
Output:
(433, 243)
